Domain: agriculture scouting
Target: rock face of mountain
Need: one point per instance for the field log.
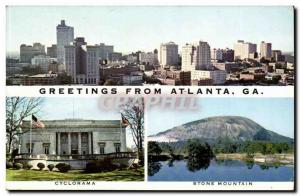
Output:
(233, 127)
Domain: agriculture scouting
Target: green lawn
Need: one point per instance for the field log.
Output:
(74, 175)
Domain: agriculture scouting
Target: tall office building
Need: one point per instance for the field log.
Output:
(27, 52)
(148, 58)
(43, 62)
(244, 50)
(104, 51)
(216, 54)
(197, 59)
(188, 57)
(64, 36)
(168, 54)
(196, 56)
(204, 56)
(70, 61)
(82, 62)
(52, 51)
(92, 65)
(80, 47)
(277, 55)
(75, 60)
(228, 55)
(265, 50)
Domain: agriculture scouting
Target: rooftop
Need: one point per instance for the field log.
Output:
(77, 123)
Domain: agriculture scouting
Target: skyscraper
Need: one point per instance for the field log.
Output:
(104, 51)
(188, 57)
(148, 58)
(92, 65)
(27, 52)
(168, 54)
(82, 62)
(52, 51)
(75, 60)
(64, 36)
(70, 61)
(244, 50)
(216, 54)
(196, 56)
(228, 55)
(265, 50)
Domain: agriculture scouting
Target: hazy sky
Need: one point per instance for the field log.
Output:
(275, 114)
(83, 108)
(144, 28)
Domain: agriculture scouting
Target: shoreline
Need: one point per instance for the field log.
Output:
(284, 159)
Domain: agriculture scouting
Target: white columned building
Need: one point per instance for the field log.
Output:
(74, 137)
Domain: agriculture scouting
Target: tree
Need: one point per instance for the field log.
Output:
(198, 150)
(133, 112)
(154, 148)
(17, 109)
(199, 155)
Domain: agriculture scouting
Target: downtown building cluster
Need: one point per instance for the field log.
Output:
(73, 61)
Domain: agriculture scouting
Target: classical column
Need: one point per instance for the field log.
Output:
(69, 143)
(58, 143)
(24, 140)
(90, 142)
(123, 139)
(95, 143)
(79, 143)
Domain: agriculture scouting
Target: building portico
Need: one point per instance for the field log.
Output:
(74, 137)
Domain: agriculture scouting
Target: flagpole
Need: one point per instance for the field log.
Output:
(30, 143)
(121, 132)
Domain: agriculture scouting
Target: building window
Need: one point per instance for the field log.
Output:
(102, 148)
(46, 148)
(117, 147)
(28, 147)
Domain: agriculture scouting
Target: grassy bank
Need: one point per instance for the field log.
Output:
(258, 157)
(74, 175)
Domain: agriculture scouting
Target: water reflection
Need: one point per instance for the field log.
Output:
(153, 167)
(194, 165)
(212, 169)
(171, 162)
(249, 164)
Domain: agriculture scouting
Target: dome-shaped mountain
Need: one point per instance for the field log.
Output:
(233, 127)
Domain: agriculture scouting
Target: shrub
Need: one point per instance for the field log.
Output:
(63, 167)
(107, 165)
(27, 166)
(9, 165)
(18, 166)
(50, 167)
(41, 166)
(100, 166)
(59, 165)
(91, 167)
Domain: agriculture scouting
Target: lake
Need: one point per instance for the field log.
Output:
(217, 170)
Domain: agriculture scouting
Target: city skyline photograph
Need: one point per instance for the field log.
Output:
(129, 45)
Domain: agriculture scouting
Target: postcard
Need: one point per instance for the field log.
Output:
(150, 98)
